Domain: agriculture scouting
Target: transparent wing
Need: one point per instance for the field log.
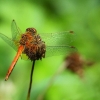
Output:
(61, 38)
(59, 50)
(24, 57)
(8, 41)
(15, 31)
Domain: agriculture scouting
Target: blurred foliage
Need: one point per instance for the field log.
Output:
(52, 16)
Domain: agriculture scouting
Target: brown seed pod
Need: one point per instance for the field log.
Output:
(34, 47)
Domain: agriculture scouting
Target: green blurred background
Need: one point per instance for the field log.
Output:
(81, 16)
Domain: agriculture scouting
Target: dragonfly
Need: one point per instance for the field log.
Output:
(36, 47)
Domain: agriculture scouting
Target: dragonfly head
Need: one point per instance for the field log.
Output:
(31, 30)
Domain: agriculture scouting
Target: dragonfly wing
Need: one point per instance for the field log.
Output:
(15, 30)
(24, 57)
(61, 38)
(59, 50)
(8, 41)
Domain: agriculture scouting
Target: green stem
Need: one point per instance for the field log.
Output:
(58, 71)
(30, 85)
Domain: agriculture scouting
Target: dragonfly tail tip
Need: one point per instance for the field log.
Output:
(6, 78)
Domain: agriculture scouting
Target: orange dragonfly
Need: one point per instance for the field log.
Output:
(36, 47)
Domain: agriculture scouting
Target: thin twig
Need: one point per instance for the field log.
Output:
(30, 85)
(58, 71)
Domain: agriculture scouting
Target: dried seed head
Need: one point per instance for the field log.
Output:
(75, 63)
(34, 47)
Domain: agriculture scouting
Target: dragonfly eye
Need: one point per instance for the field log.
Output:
(32, 30)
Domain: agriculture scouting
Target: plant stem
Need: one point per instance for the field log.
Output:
(30, 85)
(58, 71)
